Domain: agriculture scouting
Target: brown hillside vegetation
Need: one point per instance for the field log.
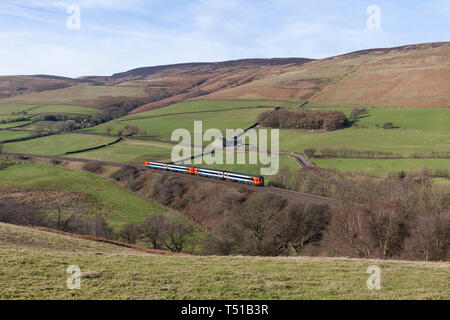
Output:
(44, 199)
(17, 85)
(407, 76)
(162, 85)
(84, 95)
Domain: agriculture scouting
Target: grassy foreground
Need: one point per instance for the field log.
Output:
(33, 266)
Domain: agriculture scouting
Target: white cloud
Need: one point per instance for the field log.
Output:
(119, 35)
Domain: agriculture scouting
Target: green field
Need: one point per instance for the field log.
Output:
(422, 119)
(161, 127)
(17, 110)
(160, 123)
(58, 144)
(13, 124)
(118, 204)
(37, 261)
(419, 130)
(9, 134)
(211, 105)
(442, 181)
(404, 142)
(381, 168)
(137, 151)
(130, 151)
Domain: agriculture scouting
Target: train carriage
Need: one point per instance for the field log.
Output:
(210, 173)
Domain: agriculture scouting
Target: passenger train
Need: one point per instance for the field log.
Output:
(210, 173)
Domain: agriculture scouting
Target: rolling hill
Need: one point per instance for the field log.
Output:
(407, 76)
(11, 86)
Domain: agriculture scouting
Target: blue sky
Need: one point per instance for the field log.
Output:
(118, 35)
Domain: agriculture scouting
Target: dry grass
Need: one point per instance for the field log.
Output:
(34, 267)
(23, 238)
(84, 95)
(412, 76)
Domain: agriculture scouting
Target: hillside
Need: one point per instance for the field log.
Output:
(407, 76)
(162, 85)
(22, 238)
(37, 261)
(17, 85)
(43, 186)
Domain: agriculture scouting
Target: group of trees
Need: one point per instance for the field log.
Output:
(161, 231)
(125, 131)
(391, 230)
(357, 113)
(344, 152)
(399, 217)
(431, 154)
(72, 220)
(396, 217)
(120, 109)
(57, 127)
(310, 120)
(66, 123)
(268, 225)
(388, 125)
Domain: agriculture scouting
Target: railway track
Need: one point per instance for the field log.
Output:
(277, 191)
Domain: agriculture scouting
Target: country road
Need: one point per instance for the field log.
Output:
(277, 191)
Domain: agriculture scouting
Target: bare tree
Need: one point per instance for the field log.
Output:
(388, 227)
(130, 232)
(430, 239)
(350, 233)
(17, 213)
(62, 219)
(154, 228)
(177, 231)
(259, 221)
(109, 129)
(303, 224)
